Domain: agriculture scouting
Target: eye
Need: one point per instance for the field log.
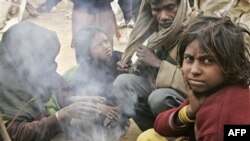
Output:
(98, 46)
(156, 9)
(170, 7)
(208, 60)
(188, 59)
(106, 41)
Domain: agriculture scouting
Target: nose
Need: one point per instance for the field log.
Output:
(196, 68)
(164, 16)
(107, 45)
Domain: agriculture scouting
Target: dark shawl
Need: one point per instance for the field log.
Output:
(27, 71)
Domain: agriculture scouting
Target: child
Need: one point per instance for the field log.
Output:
(96, 71)
(215, 63)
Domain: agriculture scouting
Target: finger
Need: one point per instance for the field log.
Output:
(139, 54)
(119, 65)
(122, 65)
(141, 47)
(139, 50)
(122, 69)
(81, 114)
(88, 99)
(80, 98)
(113, 115)
(107, 122)
(112, 124)
(86, 105)
(98, 99)
(109, 111)
(90, 110)
(84, 114)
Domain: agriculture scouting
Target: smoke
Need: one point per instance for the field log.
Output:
(28, 69)
(98, 78)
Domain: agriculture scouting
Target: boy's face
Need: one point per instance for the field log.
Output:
(101, 48)
(164, 11)
(200, 69)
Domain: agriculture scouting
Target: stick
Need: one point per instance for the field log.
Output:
(3, 130)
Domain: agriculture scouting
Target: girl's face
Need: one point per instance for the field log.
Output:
(101, 48)
(201, 69)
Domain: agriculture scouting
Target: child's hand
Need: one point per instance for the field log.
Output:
(194, 102)
(111, 121)
(78, 110)
(109, 111)
(122, 67)
(108, 122)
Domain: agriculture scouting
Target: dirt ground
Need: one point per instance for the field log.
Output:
(59, 20)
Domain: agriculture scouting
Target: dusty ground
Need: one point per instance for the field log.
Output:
(59, 20)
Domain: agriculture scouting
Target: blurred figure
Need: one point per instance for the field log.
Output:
(32, 102)
(127, 11)
(94, 76)
(89, 13)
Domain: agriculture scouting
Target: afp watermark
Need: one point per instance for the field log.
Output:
(237, 132)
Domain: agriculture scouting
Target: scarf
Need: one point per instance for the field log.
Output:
(146, 28)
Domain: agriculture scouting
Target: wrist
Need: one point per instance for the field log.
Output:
(62, 117)
(158, 64)
(57, 117)
(190, 113)
(183, 115)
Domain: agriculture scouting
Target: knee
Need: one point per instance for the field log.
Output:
(150, 135)
(164, 99)
(122, 81)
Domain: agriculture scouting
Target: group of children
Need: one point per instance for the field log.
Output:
(212, 55)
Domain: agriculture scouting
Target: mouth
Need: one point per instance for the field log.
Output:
(166, 24)
(109, 53)
(195, 83)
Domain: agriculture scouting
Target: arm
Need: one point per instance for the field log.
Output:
(40, 130)
(167, 123)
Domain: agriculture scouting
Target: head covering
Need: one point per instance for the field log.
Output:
(146, 27)
(27, 70)
(83, 42)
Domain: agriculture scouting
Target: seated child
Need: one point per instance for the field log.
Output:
(215, 62)
(95, 72)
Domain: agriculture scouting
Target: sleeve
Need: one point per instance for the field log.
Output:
(41, 130)
(164, 123)
(67, 76)
(170, 75)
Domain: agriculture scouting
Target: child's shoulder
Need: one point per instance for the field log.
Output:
(68, 74)
(117, 55)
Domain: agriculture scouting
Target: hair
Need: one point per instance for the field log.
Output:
(224, 40)
(83, 42)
